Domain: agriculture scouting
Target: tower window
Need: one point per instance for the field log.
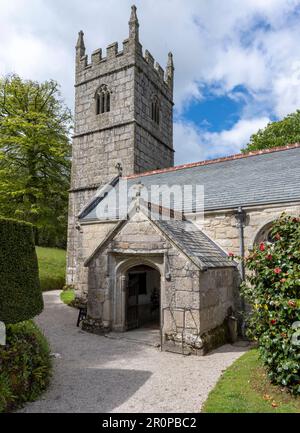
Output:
(102, 98)
(155, 110)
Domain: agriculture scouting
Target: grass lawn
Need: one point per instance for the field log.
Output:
(67, 296)
(244, 388)
(52, 268)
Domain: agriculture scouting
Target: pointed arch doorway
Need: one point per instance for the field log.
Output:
(142, 297)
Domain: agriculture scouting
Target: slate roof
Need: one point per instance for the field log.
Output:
(243, 180)
(187, 237)
(195, 244)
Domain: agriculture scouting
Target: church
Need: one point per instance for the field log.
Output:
(150, 243)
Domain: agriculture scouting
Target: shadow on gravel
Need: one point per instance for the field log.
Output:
(100, 390)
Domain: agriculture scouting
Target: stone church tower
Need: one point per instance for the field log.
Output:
(123, 118)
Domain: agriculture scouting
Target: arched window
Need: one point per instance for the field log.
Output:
(265, 234)
(155, 110)
(102, 98)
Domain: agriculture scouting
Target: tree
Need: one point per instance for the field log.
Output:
(281, 133)
(272, 288)
(34, 155)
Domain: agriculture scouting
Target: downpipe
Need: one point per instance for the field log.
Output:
(240, 216)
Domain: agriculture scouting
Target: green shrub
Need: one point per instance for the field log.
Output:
(68, 296)
(25, 365)
(20, 292)
(272, 290)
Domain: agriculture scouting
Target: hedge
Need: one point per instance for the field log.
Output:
(20, 292)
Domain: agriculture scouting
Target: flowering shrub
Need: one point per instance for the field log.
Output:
(272, 289)
(25, 365)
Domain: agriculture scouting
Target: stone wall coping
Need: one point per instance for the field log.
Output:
(93, 222)
(133, 253)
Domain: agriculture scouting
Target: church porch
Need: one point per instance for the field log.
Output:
(143, 275)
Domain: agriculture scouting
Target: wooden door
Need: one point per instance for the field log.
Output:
(132, 320)
(136, 287)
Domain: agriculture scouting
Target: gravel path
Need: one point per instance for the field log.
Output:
(99, 374)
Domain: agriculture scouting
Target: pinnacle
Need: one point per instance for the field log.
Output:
(80, 40)
(134, 24)
(133, 16)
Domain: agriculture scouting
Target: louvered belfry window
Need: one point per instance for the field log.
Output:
(155, 110)
(102, 100)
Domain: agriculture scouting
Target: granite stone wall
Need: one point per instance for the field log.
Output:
(218, 292)
(126, 134)
(222, 227)
(192, 301)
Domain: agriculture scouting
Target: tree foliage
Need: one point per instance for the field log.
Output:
(34, 154)
(281, 133)
(272, 288)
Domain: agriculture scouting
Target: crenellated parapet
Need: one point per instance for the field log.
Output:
(102, 62)
(165, 76)
(112, 53)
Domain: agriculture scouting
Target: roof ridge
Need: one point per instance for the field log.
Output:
(215, 161)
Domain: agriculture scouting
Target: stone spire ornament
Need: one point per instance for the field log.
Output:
(120, 169)
(80, 47)
(170, 71)
(134, 25)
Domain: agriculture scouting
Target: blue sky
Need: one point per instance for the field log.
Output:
(215, 112)
(237, 62)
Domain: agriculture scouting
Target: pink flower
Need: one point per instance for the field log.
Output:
(269, 257)
(277, 270)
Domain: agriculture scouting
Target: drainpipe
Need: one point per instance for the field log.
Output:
(240, 217)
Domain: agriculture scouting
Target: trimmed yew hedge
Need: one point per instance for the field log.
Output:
(20, 292)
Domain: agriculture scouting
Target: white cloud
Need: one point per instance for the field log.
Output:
(214, 43)
(194, 144)
(287, 91)
(236, 65)
(27, 61)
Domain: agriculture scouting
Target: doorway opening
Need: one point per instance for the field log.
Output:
(143, 298)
